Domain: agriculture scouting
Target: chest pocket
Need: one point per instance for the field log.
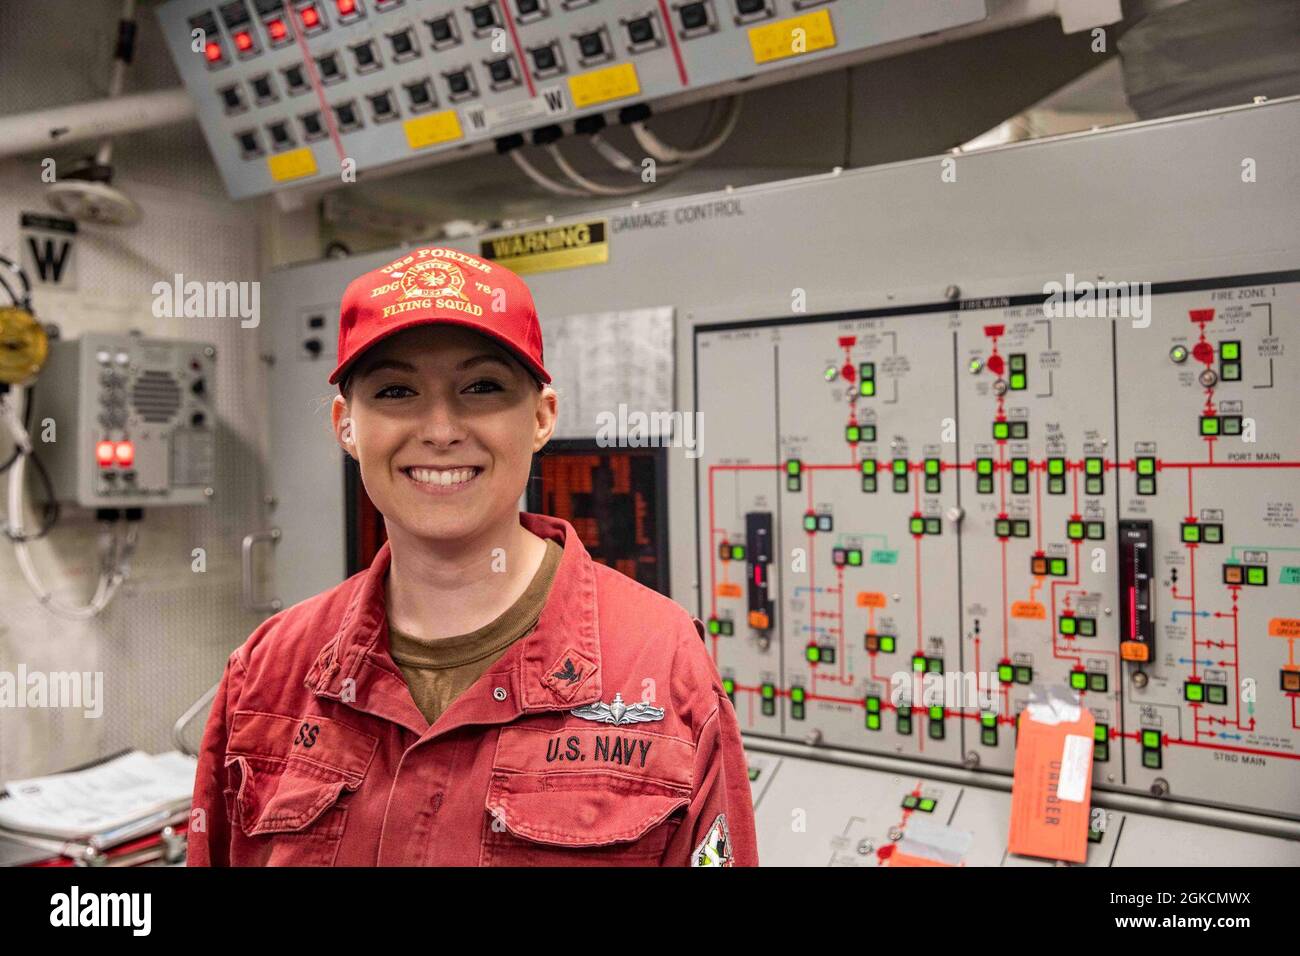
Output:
(584, 796)
(290, 777)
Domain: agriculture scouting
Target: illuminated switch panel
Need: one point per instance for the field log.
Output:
(136, 421)
(286, 90)
(1101, 544)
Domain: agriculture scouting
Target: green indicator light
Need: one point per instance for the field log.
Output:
(1230, 372)
(831, 373)
(869, 467)
(1019, 466)
(932, 466)
(1074, 530)
(1096, 530)
(1017, 381)
(917, 525)
(984, 485)
(909, 802)
(900, 466)
(887, 644)
(1024, 674)
(1230, 424)
(1002, 528)
(714, 625)
(936, 712)
(1178, 354)
(814, 653)
(873, 721)
(984, 466)
(769, 691)
(728, 685)
(1212, 533)
(867, 370)
(792, 466)
(974, 366)
(989, 720)
(1151, 759)
(873, 705)
(1068, 625)
(867, 387)
(1078, 680)
(1146, 466)
(1057, 566)
(918, 664)
(1001, 430)
(1056, 466)
(1191, 533)
(1017, 362)
(792, 483)
(796, 694)
(1216, 693)
(1097, 682)
(1151, 739)
(1087, 627)
(853, 434)
(927, 805)
(1004, 673)
(1256, 576)
(1146, 486)
(1093, 466)
(810, 522)
(932, 526)
(868, 432)
(900, 483)
(1099, 732)
(1209, 425)
(737, 552)
(855, 557)
(1194, 692)
(1230, 351)
(934, 665)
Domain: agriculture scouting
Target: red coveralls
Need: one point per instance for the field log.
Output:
(315, 753)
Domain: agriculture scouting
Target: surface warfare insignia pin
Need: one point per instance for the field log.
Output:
(618, 712)
(715, 848)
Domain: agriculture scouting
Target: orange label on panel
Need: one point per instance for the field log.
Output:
(729, 589)
(1284, 627)
(1051, 786)
(1029, 611)
(871, 599)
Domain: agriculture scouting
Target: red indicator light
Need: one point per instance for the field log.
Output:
(1203, 352)
(104, 453)
(243, 42)
(347, 7)
(310, 17)
(213, 51)
(275, 29)
(995, 364)
(124, 452)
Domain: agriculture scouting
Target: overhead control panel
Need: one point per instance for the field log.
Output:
(971, 498)
(288, 91)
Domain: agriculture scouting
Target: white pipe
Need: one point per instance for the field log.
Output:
(23, 133)
(116, 80)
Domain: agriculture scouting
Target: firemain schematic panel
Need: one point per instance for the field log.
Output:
(972, 498)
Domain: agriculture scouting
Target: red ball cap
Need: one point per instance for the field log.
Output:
(437, 285)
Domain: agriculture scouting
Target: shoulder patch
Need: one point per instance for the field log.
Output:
(715, 848)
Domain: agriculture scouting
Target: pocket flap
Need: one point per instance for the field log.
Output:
(286, 798)
(579, 809)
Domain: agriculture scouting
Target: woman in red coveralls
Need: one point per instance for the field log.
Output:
(484, 693)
